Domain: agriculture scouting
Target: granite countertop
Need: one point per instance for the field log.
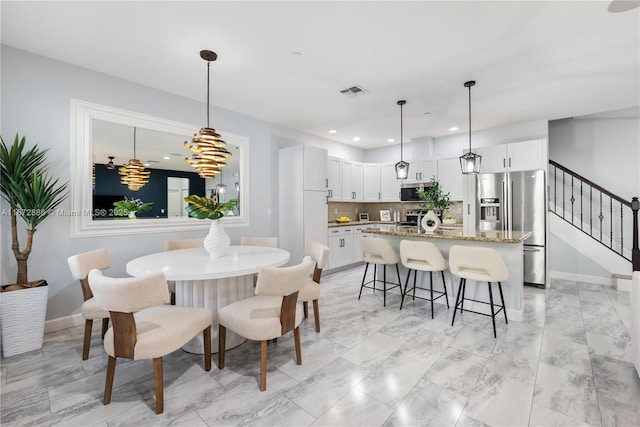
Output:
(453, 233)
(342, 224)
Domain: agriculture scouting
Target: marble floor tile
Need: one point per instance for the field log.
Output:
(428, 404)
(616, 380)
(391, 381)
(500, 400)
(567, 392)
(370, 365)
(565, 354)
(355, 409)
(372, 350)
(324, 388)
(456, 370)
(518, 360)
(545, 417)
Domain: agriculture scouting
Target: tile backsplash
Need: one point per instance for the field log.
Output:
(351, 210)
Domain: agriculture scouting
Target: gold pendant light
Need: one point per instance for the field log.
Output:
(209, 155)
(470, 162)
(134, 175)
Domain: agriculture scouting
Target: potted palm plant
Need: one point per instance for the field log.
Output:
(130, 207)
(205, 208)
(33, 195)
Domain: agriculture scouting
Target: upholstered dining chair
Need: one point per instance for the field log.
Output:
(80, 266)
(271, 313)
(311, 290)
(144, 327)
(271, 242)
(173, 245)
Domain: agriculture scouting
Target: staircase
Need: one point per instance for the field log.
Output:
(596, 222)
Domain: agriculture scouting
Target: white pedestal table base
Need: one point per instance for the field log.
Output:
(213, 294)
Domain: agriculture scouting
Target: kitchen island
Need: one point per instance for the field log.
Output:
(509, 244)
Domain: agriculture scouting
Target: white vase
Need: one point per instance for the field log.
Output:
(430, 222)
(217, 240)
(23, 314)
(132, 215)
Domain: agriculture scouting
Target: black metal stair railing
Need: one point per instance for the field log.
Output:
(605, 217)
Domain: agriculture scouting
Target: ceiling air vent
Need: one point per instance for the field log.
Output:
(354, 90)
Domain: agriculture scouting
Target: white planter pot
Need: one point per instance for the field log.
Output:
(23, 313)
(217, 240)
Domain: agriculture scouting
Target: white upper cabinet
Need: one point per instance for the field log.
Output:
(335, 179)
(315, 168)
(516, 156)
(421, 170)
(352, 181)
(389, 183)
(372, 182)
(451, 178)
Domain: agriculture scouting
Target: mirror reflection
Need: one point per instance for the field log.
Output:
(170, 179)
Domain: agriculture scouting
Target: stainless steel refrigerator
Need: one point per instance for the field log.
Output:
(516, 201)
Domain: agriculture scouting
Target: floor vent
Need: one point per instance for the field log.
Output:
(354, 90)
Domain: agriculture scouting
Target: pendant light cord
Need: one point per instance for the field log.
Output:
(134, 142)
(470, 118)
(401, 105)
(208, 73)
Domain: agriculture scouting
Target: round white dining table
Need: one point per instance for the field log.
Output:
(202, 281)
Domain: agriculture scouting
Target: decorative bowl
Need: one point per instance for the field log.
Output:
(449, 221)
(343, 221)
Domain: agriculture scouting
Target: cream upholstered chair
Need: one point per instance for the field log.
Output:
(145, 328)
(378, 251)
(482, 265)
(273, 312)
(173, 245)
(423, 256)
(80, 266)
(311, 290)
(271, 242)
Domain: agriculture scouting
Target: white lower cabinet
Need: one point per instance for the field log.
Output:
(344, 244)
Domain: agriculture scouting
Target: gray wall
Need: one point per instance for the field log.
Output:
(36, 93)
(606, 151)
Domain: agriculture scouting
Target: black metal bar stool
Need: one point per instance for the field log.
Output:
(423, 256)
(482, 265)
(379, 251)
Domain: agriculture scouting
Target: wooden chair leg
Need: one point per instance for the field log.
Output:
(173, 298)
(296, 338)
(263, 365)
(105, 326)
(108, 383)
(207, 348)
(316, 315)
(305, 309)
(88, 325)
(157, 379)
(222, 337)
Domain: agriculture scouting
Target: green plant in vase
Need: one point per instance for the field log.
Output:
(434, 198)
(201, 207)
(130, 207)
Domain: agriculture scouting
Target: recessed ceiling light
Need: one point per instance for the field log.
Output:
(167, 158)
(356, 139)
(147, 164)
(453, 128)
(296, 53)
(391, 140)
(333, 131)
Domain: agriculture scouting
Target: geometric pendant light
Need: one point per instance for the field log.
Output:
(470, 162)
(209, 155)
(402, 167)
(134, 176)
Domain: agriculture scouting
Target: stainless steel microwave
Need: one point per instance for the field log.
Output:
(409, 192)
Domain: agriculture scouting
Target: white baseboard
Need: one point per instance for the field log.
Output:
(623, 285)
(582, 278)
(63, 322)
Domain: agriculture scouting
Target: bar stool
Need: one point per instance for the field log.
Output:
(423, 256)
(483, 265)
(379, 251)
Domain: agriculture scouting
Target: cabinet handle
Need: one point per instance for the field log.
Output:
(417, 179)
(468, 208)
(420, 176)
(504, 165)
(379, 196)
(326, 182)
(509, 161)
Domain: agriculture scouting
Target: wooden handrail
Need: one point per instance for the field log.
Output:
(591, 183)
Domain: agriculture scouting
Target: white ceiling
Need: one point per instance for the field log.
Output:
(532, 60)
